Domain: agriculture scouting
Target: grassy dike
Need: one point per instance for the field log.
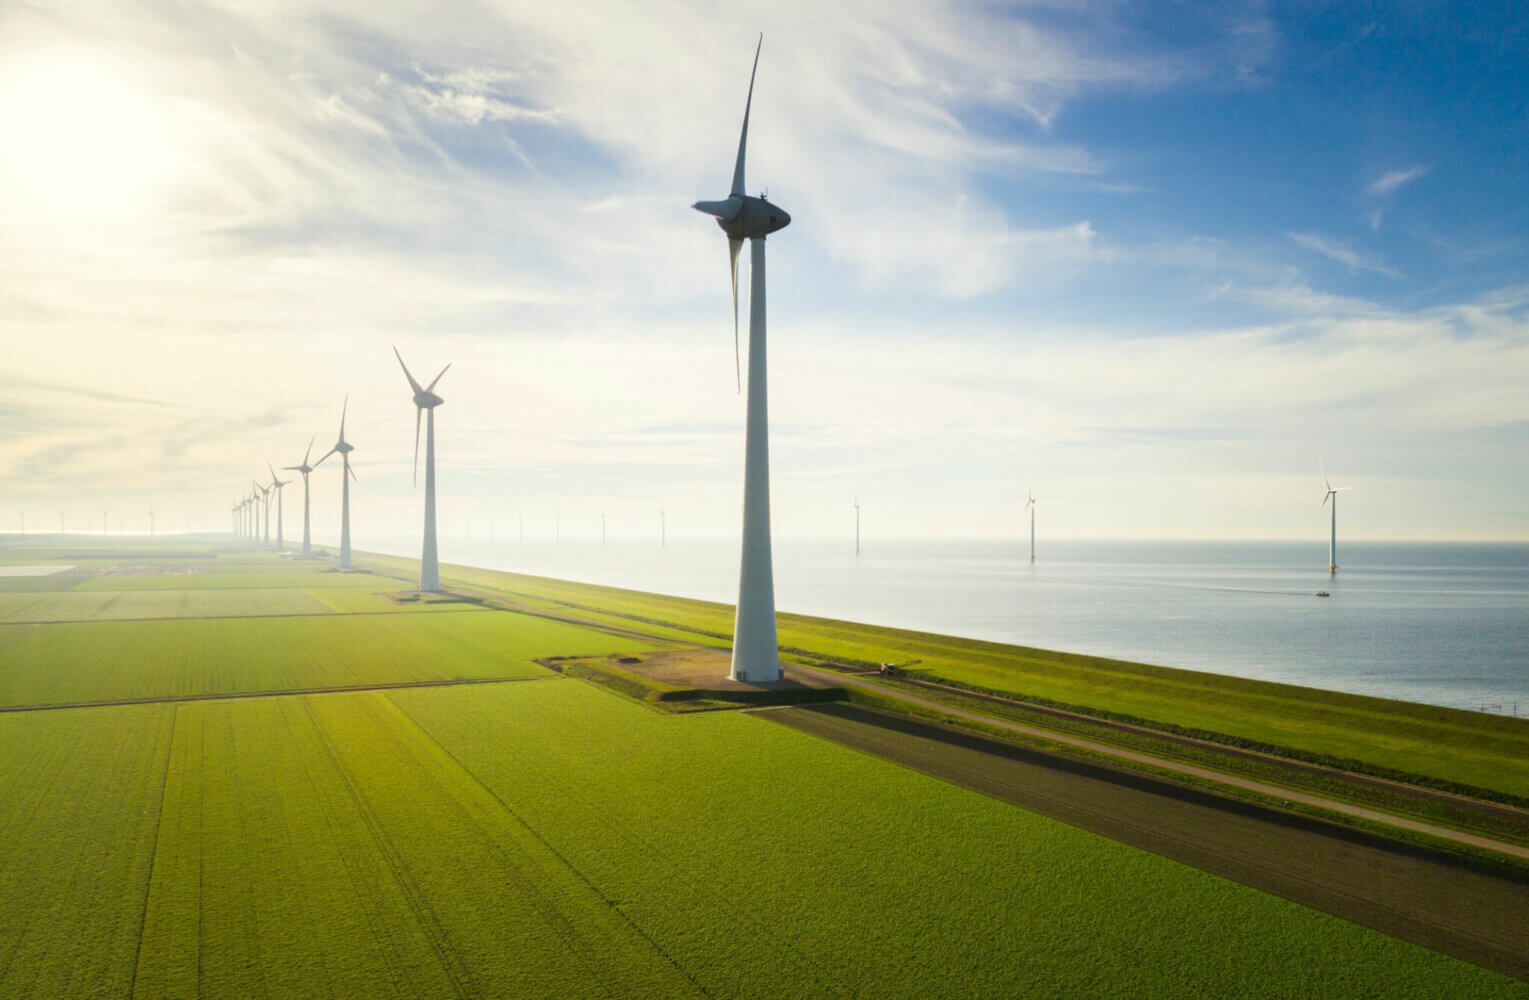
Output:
(1471, 752)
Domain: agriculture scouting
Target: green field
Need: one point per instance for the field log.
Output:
(1471, 748)
(547, 838)
(113, 661)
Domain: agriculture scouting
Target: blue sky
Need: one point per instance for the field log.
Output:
(1156, 261)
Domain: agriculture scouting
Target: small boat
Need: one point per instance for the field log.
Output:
(1323, 593)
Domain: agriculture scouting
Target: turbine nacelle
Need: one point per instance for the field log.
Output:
(743, 217)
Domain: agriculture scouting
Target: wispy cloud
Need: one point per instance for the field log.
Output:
(1333, 250)
(1392, 181)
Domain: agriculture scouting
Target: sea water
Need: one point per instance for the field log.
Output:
(1442, 623)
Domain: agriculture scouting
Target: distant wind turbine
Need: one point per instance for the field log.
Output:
(663, 530)
(344, 448)
(1332, 538)
(277, 484)
(1030, 506)
(304, 468)
(756, 656)
(425, 401)
(265, 507)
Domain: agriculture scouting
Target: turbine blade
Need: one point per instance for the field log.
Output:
(351, 469)
(343, 408)
(412, 384)
(743, 137)
(308, 452)
(726, 210)
(431, 386)
(419, 411)
(734, 246)
(1326, 496)
(1325, 481)
(320, 462)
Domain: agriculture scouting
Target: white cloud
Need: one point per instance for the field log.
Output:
(1333, 250)
(1392, 181)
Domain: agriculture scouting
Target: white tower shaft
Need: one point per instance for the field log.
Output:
(756, 655)
(429, 564)
(345, 512)
(280, 540)
(1332, 538)
(1032, 532)
(307, 535)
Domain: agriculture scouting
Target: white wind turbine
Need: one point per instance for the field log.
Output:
(1030, 506)
(277, 484)
(1332, 538)
(425, 400)
(264, 505)
(344, 448)
(756, 656)
(304, 468)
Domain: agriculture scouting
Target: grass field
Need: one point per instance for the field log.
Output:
(113, 661)
(1471, 748)
(548, 838)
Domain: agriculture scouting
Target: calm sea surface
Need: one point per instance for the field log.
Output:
(1431, 622)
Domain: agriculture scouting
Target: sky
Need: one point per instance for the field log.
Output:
(1158, 263)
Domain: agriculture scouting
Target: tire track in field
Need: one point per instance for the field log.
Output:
(611, 904)
(546, 906)
(159, 819)
(356, 873)
(451, 963)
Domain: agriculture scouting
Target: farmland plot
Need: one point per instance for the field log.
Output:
(79, 802)
(113, 661)
(217, 580)
(822, 871)
(326, 846)
(104, 605)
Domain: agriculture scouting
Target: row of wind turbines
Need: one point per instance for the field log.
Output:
(251, 514)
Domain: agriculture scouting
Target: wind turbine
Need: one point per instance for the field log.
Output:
(344, 447)
(304, 468)
(425, 400)
(277, 484)
(1332, 539)
(264, 500)
(756, 656)
(1030, 506)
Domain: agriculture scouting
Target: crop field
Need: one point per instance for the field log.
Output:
(115, 661)
(543, 837)
(218, 580)
(1471, 748)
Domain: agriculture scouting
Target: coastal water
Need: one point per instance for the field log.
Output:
(1442, 623)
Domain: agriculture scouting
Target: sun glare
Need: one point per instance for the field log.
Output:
(87, 141)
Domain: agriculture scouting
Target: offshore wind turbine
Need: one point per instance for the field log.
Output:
(277, 484)
(1030, 506)
(756, 656)
(344, 448)
(1332, 538)
(425, 400)
(304, 468)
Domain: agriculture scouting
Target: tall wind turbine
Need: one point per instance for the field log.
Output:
(756, 656)
(425, 400)
(304, 468)
(277, 484)
(1030, 506)
(344, 448)
(1332, 538)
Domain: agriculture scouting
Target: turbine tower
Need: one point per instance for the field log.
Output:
(277, 484)
(1030, 506)
(264, 501)
(756, 656)
(425, 400)
(344, 448)
(305, 468)
(1332, 538)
